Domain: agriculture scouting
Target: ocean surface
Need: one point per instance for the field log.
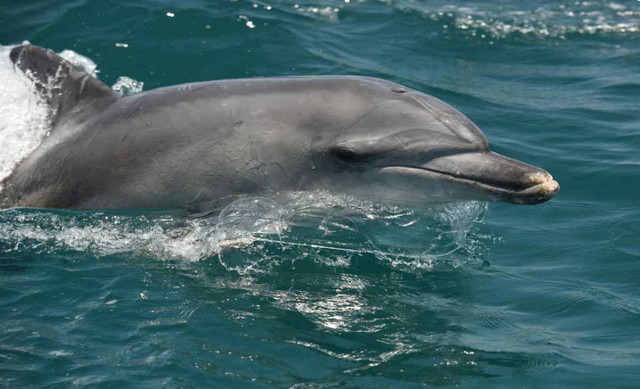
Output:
(318, 290)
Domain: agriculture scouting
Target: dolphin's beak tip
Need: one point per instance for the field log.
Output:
(549, 188)
(540, 192)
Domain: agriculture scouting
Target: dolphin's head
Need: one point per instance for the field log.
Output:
(415, 148)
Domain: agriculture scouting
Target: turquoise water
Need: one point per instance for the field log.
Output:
(314, 290)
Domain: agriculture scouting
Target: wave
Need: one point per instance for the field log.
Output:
(492, 21)
(551, 20)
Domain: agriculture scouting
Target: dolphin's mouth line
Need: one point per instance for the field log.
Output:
(536, 193)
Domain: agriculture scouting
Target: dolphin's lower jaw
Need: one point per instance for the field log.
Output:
(488, 175)
(537, 193)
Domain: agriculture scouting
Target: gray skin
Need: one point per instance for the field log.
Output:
(192, 145)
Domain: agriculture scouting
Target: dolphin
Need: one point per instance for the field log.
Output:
(189, 146)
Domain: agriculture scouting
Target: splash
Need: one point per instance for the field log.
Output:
(125, 86)
(84, 63)
(252, 234)
(23, 116)
(24, 113)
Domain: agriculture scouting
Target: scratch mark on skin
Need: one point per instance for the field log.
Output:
(191, 87)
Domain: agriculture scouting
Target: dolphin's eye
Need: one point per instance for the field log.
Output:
(348, 155)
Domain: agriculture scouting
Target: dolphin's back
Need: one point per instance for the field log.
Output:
(172, 146)
(185, 145)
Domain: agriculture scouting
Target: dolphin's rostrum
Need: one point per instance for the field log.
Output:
(191, 145)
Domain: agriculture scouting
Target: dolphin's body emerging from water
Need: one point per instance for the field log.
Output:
(191, 145)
